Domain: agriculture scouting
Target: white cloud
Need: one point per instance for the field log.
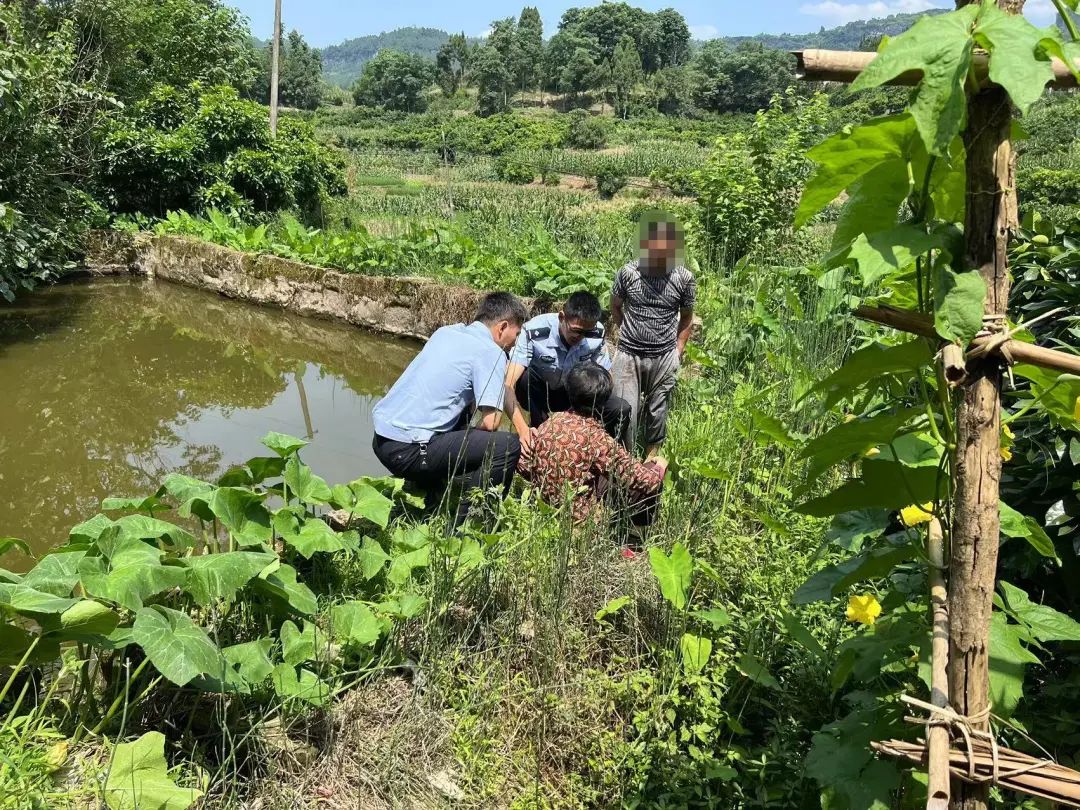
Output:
(704, 31)
(838, 13)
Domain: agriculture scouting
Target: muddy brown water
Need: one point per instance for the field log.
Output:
(108, 385)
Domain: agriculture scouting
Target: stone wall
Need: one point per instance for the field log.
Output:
(399, 305)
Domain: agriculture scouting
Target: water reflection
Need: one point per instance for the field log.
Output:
(106, 386)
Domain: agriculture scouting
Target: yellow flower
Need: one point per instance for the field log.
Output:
(1006, 453)
(863, 609)
(914, 515)
(873, 451)
(1007, 433)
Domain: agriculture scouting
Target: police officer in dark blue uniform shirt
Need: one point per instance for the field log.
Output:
(547, 348)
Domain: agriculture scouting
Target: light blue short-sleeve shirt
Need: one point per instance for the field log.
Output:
(540, 348)
(460, 366)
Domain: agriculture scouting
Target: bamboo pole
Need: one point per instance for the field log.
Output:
(937, 734)
(275, 58)
(820, 65)
(923, 325)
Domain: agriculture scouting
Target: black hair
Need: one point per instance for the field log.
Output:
(582, 306)
(589, 386)
(501, 306)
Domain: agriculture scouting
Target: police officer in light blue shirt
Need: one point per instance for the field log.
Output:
(422, 431)
(547, 348)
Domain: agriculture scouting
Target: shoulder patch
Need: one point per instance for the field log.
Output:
(540, 333)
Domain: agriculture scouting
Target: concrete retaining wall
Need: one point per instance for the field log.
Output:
(399, 305)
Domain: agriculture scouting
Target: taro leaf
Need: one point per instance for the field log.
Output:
(314, 536)
(361, 499)
(354, 623)
(843, 763)
(144, 504)
(798, 632)
(612, 607)
(851, 529)
(56, 573)
(882, 144)
(281, 583)
(1018, 61)
(236, 477)
(302, 685)
(756, 671)
(304, 484)
(298, 647)
(871, 363)
(21, 598)
(695, 652)
(128, 573)
(241, 511)
(1045, 623)
(191, 495)
(372, 558)
(854, 438)
(715, 617)
(881, 253)
(402, 566)
(833, 580)
(213, 577)
(263, 467)
(282, 443)
(884, 483)
(89, 531)
(958, 304)
(940, 48)
(139, 778)
(142, 527)
(409, 605)
(1008, 659)
(175, 645)
(672, 573)
(248, 664)
(1014, 524)
(87, 618)
(9, 543)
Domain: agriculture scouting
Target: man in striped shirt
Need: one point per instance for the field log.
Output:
(652, 303)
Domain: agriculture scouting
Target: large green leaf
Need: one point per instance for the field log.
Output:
(13, 544)
(879, 145)
(175, 645)
(89, 531)
(298, 647)
(884, 484)
(355, 623)
(304, 484)
(750, 666)
(241, 511)
(145, 503)
(872, 363)
(850, 530)
(1045, 623)
(138, 778)
(56, 573)
(695, 652)
(213, 577)
(361, 499)
(1019, 60)
(142, 527)
(854, 438)
(280, 582)
(373, 558)
(672, 572)
(21, 598)
(843, 763)
(939, 48)
(1014, 524)
(300, 684)
(958, 304)
(1057, 394)
(282, 443)
(1008, 660)
(248, 664)
(87, 618)
(192, 496)
(881, 253)
(402, 565)
(314, 536)
(833, 580)
(128, 573)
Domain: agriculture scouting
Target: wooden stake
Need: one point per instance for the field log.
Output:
(275, 58)
(937, 735)
(975, 532)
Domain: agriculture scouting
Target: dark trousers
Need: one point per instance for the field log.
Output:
(479, 459)
(534, 395)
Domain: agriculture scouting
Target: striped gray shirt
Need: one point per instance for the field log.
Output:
(651, 307)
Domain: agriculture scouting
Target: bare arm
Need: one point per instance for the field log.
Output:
(512, 406)
(686, 325)
(490, 418)
(616, 310)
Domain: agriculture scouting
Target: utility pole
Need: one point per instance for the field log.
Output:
(275, 58)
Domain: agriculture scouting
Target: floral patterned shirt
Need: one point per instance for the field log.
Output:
(571, 450)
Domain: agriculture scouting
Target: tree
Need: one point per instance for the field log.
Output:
(626, 73)
(529, 53)
(670, 90)
(489, 73)
(740, 79)
(504, 41)
(395, 81)
(581, 72)
(452, 62)
(672, 39)
(300, 81)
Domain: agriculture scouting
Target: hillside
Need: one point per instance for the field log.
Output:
(343, 63)
(846, 37)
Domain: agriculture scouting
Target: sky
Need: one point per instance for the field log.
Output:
(327, 22)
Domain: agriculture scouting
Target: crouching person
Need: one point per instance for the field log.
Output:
(422, 425)
(572, 452)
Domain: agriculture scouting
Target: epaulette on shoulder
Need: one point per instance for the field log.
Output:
(540, 333)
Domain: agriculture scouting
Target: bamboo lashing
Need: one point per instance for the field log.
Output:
(820, 65)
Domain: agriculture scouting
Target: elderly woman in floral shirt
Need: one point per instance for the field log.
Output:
(571, 452)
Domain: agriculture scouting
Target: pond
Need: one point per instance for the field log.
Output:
(109, 385)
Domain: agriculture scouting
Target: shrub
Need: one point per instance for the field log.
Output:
(551, 178)
(205, 147)
(511, 169)
(610, 182)
(586, 131)
(395, 81)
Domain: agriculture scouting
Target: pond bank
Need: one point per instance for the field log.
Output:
(405, 306)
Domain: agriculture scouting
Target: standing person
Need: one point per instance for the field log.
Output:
(547, 349)
(422, 431)
(652, 303)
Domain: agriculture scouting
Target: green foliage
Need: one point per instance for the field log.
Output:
(139, 777)
(300, 77)
(395, 81)
(740, 79)
(200, 148)
(586, 131)
(512, 169)
(344, 62)
(610, 182)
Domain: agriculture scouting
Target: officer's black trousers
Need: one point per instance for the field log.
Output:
(478, 459)
(534, 395)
